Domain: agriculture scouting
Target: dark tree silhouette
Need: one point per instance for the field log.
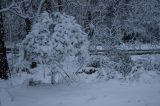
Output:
(3, 58)
(48, 6)
(60, 7)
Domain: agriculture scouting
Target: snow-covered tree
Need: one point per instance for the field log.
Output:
(55, 41)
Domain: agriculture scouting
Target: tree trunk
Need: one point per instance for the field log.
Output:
(60, 7)
(28, 25)
(4, 69)
(28, 21)
(48, 6)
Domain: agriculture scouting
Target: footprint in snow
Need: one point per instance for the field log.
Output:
(129, 101)
(91, 98)
(138, 100)
(146, 104)
(60, 104)
(104, 96)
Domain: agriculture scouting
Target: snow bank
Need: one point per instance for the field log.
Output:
(148, 77)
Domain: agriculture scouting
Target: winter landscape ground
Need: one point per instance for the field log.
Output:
(111, 93)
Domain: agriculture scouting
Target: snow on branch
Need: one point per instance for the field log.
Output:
(11, 6)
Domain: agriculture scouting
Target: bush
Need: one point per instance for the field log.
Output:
(55, 42)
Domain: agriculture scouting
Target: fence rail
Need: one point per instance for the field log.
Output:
(124, 52)
(107, 51)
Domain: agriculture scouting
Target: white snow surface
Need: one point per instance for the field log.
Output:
(105, 93)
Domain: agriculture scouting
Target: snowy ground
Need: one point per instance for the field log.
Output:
(111, 93)
(145, 92)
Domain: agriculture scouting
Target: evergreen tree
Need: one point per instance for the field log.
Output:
(55, 41)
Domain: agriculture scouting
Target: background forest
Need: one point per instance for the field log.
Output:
(58, 36)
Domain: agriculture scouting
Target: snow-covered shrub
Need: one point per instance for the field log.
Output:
(109, 68)
(139, 74)
(141, 70)
(106, 70)
(149, 63)
(145, 68)
(123, 64)
(114, 67)
(56, 42)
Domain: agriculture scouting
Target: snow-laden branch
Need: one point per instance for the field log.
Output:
(20, 15)
(7, 8)
(40, 7)
(14, 4)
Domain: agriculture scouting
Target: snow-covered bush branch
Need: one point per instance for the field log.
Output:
(55, 39)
